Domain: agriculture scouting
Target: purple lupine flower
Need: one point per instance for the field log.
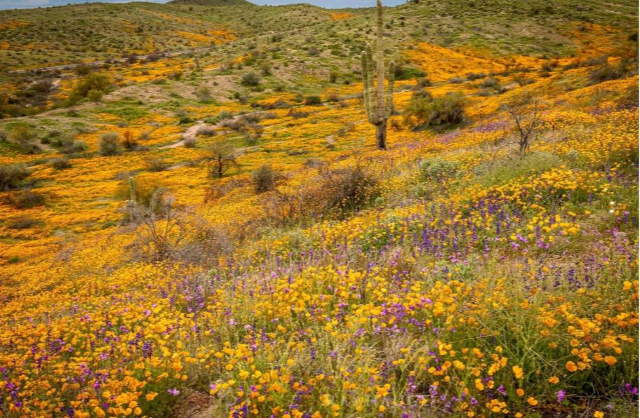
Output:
(561, 395)
(173, 392)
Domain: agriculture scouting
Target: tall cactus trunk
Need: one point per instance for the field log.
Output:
(381, 135)
(378, 98)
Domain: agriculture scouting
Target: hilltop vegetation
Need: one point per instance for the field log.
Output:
(203, 226)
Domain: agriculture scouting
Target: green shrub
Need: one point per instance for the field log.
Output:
(142, 190)
(312, 100)
(402, 72)
(250, 80)
(11, 175)
(95, 95)
(203, 93)
(424, 111)
(629, 98)
(109, 144)
(345, 190)
(264, 179)
(73, 147)
(60, 163)
(608, 72)
(156, 164)
(94, 83)
(26, 199)
(25, 138)
(23, 222)
(438, 170)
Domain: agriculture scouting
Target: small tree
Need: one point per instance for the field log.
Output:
(129, 142)
(525, 112)
(378, 101)
(223, 157)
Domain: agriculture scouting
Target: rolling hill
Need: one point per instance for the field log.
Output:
(195, 219)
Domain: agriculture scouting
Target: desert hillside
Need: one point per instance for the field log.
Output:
(198, 217)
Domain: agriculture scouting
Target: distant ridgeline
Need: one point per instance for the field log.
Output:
(213, 2)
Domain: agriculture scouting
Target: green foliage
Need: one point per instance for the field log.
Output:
(438, 170)
(140, 190)
(203, 93)
(312, 100)
(403, 72)
(73, 147)
(60, 163)
(156, 164)
(24, 222)
(250, 80)
(93, 86)
(25, 138)
(11, 175)
(264, 179)
(26, 199)
(424, 111)
(222, 158)
(506, 169)
(347, 190)
(109, 144)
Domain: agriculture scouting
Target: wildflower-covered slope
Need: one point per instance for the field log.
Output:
(472, 281)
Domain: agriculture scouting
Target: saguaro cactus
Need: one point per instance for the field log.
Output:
(378, 100)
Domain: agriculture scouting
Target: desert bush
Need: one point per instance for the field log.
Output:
(606, 72)
(11, 175)
(109, 144)
(60, 163)
(25, 138)
(522, 80)
(190, 142)
(629, 99)
(23, 222)
(347, 190)
(250, 79)
(475, 76)
(95, 95)
(403, 72)
(331, 194)
(297, 114)
(94, 82)
(156, 164)
(26, 199)
(203, 93)
(312, 100)
(264, 179)
(490, 83)
(438, 170)
(141, 191)
(129, 143)
(73, 147)
(207, 131)
(423, 111)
